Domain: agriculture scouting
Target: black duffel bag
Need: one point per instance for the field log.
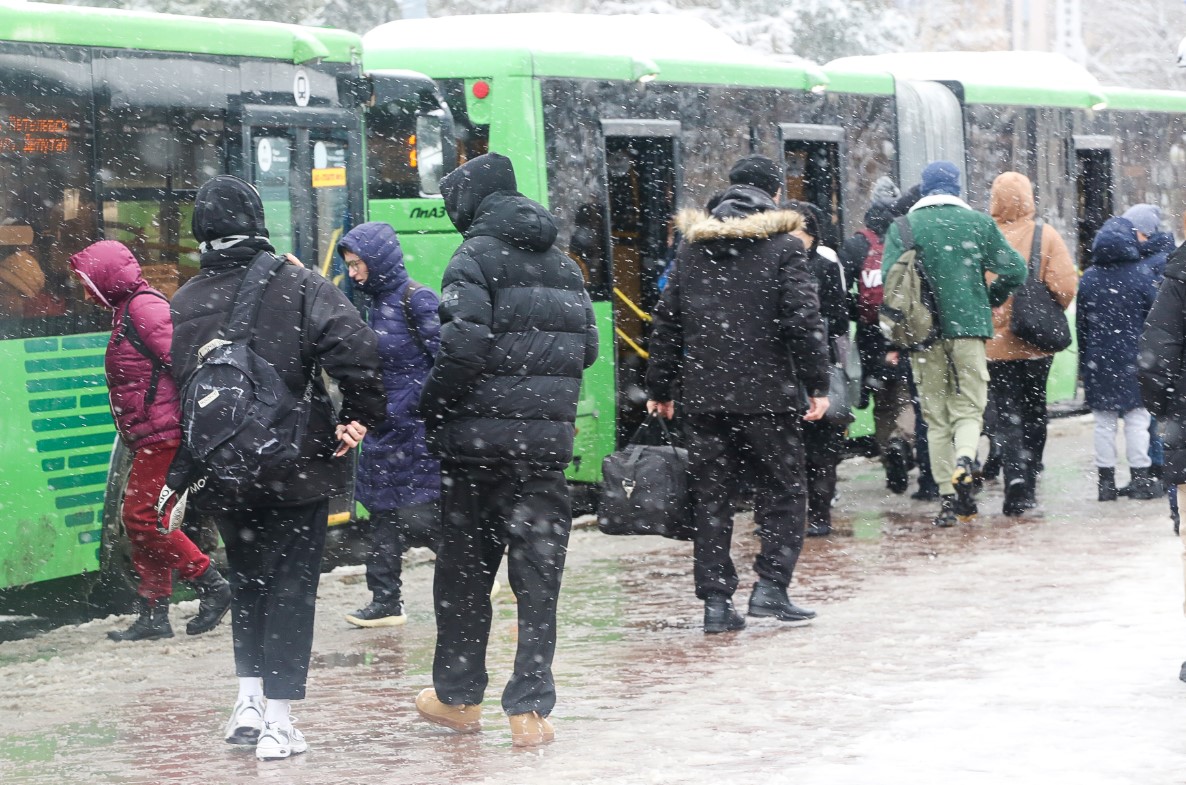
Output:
(644, 487)
(1037, 318)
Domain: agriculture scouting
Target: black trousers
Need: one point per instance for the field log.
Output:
(486, 512)
(274, 555)
(771, 448)
(392, 533)
(823, 447)
(1018, 389)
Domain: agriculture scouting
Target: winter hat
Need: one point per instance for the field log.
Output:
(885, 192)
(1145, 217)
(22, 272)
(758, 171)
(940, 177)
(227, 207)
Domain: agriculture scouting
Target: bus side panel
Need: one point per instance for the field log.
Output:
(55, 444)
(596, 423)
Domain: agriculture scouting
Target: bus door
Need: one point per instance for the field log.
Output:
(1093, 189)
(307, 165)
(641, 159)
(812, 156)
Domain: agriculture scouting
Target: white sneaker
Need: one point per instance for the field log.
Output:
(246, 722)
(278, 741)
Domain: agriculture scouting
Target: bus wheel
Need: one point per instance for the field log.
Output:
(115, 589)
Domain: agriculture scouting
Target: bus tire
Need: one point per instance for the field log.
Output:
(115, 590)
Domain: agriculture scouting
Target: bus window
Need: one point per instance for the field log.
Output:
(473, 139)
(150, 166)
(47, 210)
(430, 152)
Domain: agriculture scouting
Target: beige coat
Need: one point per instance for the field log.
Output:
(1012, 207)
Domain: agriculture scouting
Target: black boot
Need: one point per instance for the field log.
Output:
(1144, 486)
(819, 529)
(770, 600)
(719, 615)
(897, 466)
(946, 517)
(1015, 498)
(964, 481)
(927, 491)
(151, 625)
(215, 595)
(1107, 484)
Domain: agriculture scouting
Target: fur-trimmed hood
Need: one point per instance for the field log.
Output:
(698, 226)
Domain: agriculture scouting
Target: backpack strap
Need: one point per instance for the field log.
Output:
(129, 332)
(240, 322)
(413, 328)
(1036, 249)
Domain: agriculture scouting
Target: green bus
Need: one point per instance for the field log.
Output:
(109, 122)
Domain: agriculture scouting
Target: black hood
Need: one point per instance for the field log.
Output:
(226, 207)
(466, 187)
(878, 219)
(514, 219)
(742, 201)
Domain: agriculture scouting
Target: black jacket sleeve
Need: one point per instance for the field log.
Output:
(833, 301)
(802, 326)
(348, 351)
(667, 339)
(1160, 357)
(591, 339)
(467, 338)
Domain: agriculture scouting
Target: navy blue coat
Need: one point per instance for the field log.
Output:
(395, 469)
(1115, 296)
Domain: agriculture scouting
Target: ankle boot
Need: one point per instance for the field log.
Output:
(215, 595)
(719, 615)
(152, 624)
(1107, 484)
(770, 600)
(1144, 485)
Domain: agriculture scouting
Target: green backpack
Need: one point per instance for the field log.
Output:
(909, 315)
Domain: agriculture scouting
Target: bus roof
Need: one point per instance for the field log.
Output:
(105, 27)
(1127, 99)
(1022, 78)
(621, 47)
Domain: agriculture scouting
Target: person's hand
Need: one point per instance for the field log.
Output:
(293, 260)
(349, 437)
(665, 409)
(818, 407)
(891, 358)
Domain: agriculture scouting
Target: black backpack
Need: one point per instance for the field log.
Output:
(239, 419)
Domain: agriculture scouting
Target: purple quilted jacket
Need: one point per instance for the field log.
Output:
(144, 403)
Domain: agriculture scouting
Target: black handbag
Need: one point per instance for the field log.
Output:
(1038, 319)
(644, 487)
(839, 411)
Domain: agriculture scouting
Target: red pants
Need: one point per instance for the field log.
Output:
(154, 555)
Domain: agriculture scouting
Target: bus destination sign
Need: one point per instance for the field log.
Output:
(34, 135)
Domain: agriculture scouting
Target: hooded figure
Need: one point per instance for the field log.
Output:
(1115, 295)
(144, 403)
(398, 481)
(738, 333)
(1012, 207)
(517, 332)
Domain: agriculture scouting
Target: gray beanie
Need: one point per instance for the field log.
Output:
(885, 192)
(1145, 217)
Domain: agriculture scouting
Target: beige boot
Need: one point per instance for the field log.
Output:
(463, 719)
(531, 730)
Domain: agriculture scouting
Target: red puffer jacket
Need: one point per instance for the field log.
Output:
(144, 399)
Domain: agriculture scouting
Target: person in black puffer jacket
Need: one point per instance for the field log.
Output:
(738, 331)
(274, 540)
(517, 332)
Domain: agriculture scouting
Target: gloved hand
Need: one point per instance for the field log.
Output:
(175, 513)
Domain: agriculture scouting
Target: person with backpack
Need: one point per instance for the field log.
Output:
(1115, 295)
(1017, 369)
(744, 390)
(888, 385)
(264, 449)
(144, 405)
(398, 481)
(948, 247)
(500, 405)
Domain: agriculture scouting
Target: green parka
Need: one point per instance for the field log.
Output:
(958, 245)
